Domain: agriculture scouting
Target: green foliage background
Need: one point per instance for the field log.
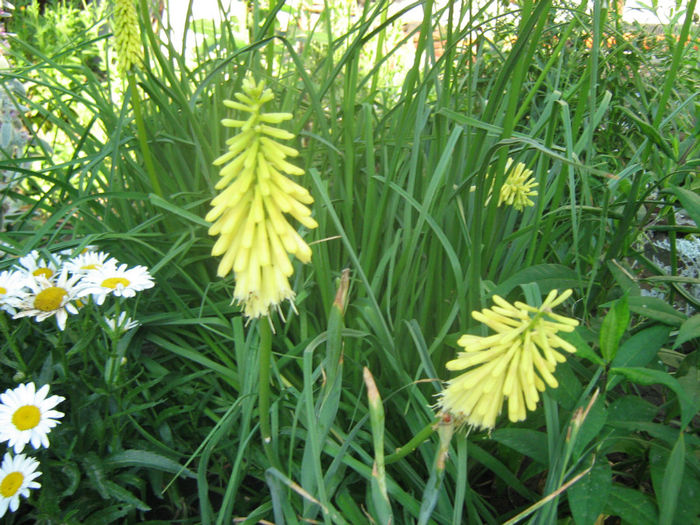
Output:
(610, 129)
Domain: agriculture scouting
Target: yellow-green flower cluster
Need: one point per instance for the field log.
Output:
(255, 238)
(514, 364)
(127, 35)
(518, 187)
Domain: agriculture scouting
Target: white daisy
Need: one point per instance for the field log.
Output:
(36, 266)
(11, 290)
(27, 416)
(88, 261)
(51, 297)
(117, 280)
(17, 476)
(121, 324)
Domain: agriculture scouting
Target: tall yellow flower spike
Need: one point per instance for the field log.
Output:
(249, 213)
(127, 35)
(513, 364)
(518, 187)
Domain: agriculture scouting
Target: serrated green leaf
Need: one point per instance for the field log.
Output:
(613, 328)
(690, 329)
(120, 493)
(589, 495)
(690, 201)
(631, 506)
(145, 459)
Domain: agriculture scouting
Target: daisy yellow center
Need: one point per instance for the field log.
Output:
(26, 417)
(43, 272)
(11, 484)
(49, 299)
(89, 267)
(3, 291)
(113, 282)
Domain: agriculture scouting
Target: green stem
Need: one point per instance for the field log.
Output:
(264, 364)
(142, 137)
(413, 444)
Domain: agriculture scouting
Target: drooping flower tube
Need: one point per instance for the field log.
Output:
(514, 364)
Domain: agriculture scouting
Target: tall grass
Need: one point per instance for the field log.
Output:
(408, 245)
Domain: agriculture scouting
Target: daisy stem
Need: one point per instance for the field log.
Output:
(264, 364)
(13, 346)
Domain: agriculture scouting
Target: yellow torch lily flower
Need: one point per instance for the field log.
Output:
(127, 35)
(514, 364)
(518, 187)
(248, 214)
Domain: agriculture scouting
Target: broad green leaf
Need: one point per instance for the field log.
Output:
(589, 495)
(673, 476)
(645, 376)
(547, 276)
(530, 443)
(569, 389)
(614, 326)
(690, 201)
(690, 329)
(591, 427)
(631, 408)
(642, 347)
(687, 508)
(655, 308)
(583, 349)
(632, 506)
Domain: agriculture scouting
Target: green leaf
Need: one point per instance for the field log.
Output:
(547, 276)
(614, 326)
(640, 349)
(673, 476)
(589, 495)
(690, 329)
(631, 506)
(569, 389)
(645, 376)
(591, 427)
(631, 408)
(690, 201)
(661, 460)
(530, 443)
(144, 459)
(583, 349)
(655, 308)
(120, 493)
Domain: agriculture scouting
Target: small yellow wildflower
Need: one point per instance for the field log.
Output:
(517, 187)
(249, 213)
(514, 364)
(127, 35)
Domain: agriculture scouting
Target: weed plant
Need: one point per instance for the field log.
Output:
(161, 424)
